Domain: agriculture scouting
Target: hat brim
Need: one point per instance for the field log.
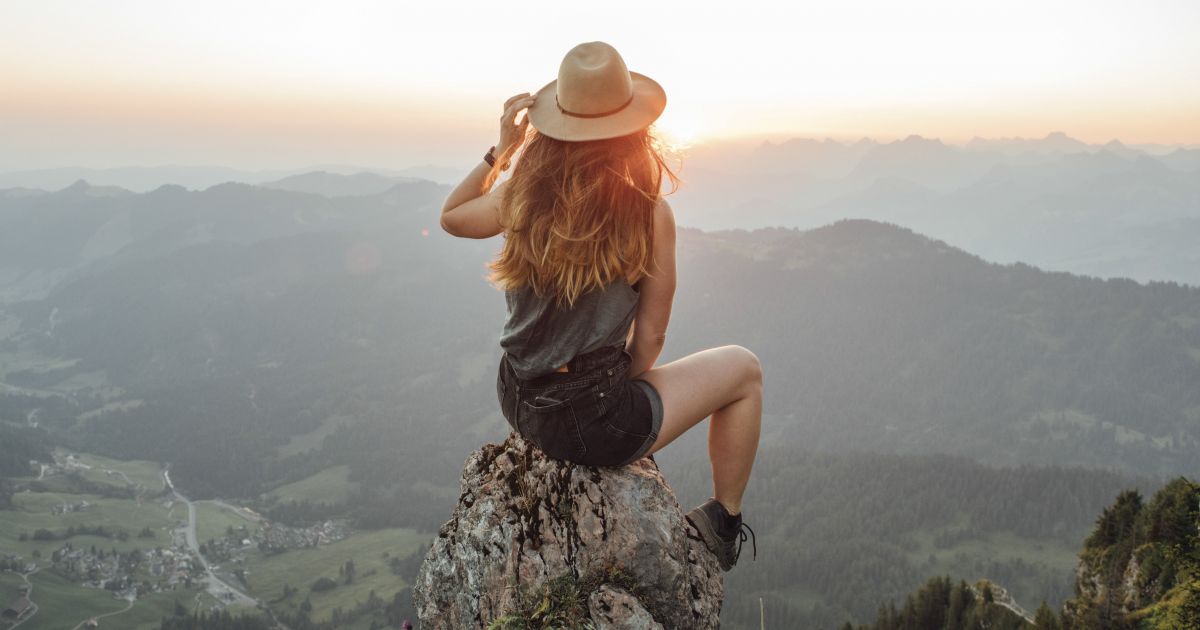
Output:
(649, 101)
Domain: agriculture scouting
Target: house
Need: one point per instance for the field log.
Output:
(18, 609)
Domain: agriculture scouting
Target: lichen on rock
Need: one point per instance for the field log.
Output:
(534, 538)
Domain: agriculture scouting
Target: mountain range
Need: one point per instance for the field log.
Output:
(1109, 210)
(258, 337)
(1105, 210)
(879, 338)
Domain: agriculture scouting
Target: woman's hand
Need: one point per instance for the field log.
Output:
(512, 135)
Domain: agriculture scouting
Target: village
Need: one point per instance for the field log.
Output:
(271, 538)
(138, 560)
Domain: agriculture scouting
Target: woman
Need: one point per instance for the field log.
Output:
(588, 269)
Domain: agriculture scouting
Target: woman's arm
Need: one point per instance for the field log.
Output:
(656, 294)
(471, 211)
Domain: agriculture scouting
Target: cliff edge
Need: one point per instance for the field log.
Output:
(538, 542)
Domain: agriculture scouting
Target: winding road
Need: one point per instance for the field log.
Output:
(29, 596)
(128, 605)
(216, 586)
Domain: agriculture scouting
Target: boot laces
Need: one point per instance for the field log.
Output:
(742, 529)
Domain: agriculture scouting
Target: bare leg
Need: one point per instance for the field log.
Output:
(725, 383)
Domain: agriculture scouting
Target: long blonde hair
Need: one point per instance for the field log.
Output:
(578, 215)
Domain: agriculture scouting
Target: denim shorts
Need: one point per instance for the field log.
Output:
(592, 415)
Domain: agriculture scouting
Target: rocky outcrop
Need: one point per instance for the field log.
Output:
(539, 540)
(1140, 566)
(1120, 595)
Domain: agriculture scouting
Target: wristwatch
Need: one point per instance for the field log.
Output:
(490, 158)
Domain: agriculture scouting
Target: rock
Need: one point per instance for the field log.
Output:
(534, 537)
(613, 608)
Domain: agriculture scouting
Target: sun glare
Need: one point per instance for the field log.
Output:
(679, 130)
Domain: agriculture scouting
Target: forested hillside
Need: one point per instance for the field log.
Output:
(839, 533)
(875, 337)
(212, 339)
(1139, 569)
(319, 358)
(20, 445)
(943, 605)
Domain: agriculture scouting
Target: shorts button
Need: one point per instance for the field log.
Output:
(602, 394)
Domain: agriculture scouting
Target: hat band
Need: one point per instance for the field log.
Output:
(600, 115)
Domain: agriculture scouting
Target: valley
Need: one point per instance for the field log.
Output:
(311, 371)
(143, 551)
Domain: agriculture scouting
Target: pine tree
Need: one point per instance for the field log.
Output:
(1045, 619)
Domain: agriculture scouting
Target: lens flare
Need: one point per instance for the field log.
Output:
(679, 130)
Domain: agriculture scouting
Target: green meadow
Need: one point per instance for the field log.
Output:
(331, 485)
(32, 511)
(312, 440)
(299, 568)
(1051, 558)
(144, 473)
(214, 520)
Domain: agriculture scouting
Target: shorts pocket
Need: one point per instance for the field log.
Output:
(550, 423)
(631, 415)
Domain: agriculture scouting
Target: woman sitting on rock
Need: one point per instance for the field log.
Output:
(588, 270)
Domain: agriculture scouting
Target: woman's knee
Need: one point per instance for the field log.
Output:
(747, 363)
(751, 364)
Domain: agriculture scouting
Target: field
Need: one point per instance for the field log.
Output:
(1051, 558)
(312, 440)
(32, 512)
(328, 486)
(214, 519)
(299, 568)
(62, 604)
(143, 473)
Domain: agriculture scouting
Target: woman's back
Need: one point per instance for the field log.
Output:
(539, 336)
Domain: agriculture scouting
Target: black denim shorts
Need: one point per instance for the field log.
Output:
(592, 415)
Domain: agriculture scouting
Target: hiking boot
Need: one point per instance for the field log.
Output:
(720, 531)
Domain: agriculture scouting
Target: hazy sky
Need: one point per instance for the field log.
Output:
(258, 84)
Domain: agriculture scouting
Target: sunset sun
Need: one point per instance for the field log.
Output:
(681, 129)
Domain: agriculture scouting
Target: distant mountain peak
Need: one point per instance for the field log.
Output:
(81, 188)
(329, 184)
(1054, 142)
(169, 189)
(917, 139)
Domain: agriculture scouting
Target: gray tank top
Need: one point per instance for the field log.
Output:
(539, 336)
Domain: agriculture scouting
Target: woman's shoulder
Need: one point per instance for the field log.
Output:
(664, 216)
(663, 207)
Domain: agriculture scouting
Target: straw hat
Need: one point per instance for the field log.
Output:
(596, 97)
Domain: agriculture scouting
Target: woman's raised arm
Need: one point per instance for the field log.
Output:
(471, 211)
(656, 294)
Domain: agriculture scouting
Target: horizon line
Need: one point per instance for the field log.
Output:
(761, 139)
